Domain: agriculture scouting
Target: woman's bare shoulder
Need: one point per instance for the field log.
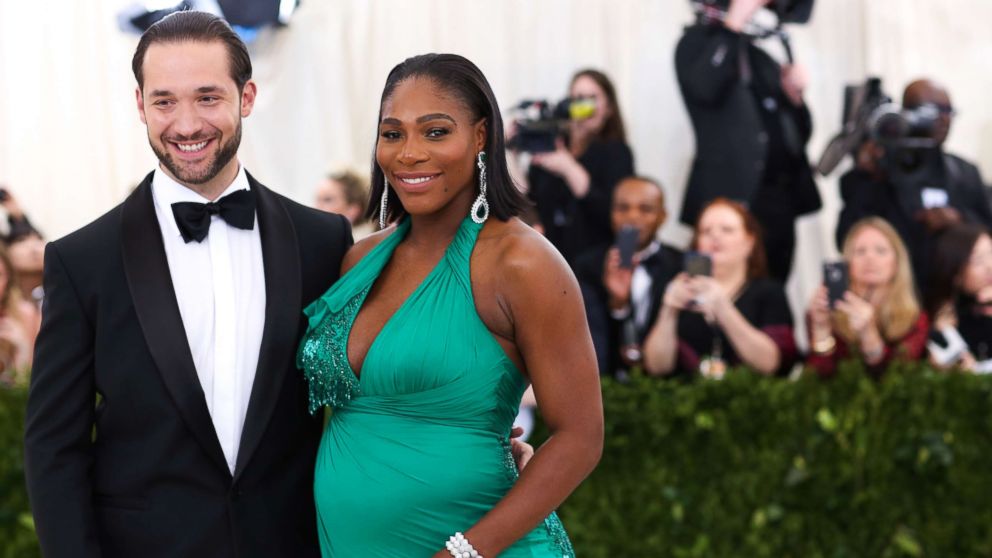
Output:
(516, 252)
(361, 248)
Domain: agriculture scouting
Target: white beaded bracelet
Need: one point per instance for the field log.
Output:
(459, 547)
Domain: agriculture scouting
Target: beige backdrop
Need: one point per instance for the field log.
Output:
(71, 145)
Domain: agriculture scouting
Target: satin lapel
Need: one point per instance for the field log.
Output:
(153, 294)
(283, 309)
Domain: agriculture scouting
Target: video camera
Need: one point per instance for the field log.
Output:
(870, 114)
(540, 123)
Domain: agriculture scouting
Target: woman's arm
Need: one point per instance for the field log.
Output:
(549, 329)
(661, 345)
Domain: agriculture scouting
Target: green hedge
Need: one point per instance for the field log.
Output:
(747, 466)
(17, 539)
(752, 466)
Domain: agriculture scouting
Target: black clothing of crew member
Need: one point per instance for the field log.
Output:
(953, 180)
(606, 329)
(750, 138)
(571, 224)
(120, 449)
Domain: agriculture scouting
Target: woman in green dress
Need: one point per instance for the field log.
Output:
(425, 345)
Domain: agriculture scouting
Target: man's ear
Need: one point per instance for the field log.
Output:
(141, 104)
(248, 93)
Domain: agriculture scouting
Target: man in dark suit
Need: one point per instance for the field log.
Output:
(166, 415)
(920, 192)
(751, 129)
(622, 302)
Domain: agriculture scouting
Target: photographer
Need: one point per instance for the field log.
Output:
(960, 299)
(878, 319)
(729, 317)
(573, 184)
(751, 125)
(920, 191)
(623, 283)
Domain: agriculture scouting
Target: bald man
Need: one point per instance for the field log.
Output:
(621, 301)
(920, 192)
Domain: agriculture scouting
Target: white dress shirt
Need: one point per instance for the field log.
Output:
(220, 287)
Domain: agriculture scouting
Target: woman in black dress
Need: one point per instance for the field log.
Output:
(960, 299)
(572, 186)
(736, 316)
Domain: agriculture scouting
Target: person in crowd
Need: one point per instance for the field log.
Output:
(181, 309)
(751, 126)
(18, 224)
(19, 322)
(345, 193)
(426, 345)
(622, 298)
(960, 299)
(26, 250)
(732, 316)
(572, 185)
(919, 191)
(878, 319)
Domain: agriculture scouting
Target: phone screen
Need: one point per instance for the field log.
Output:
(698, 263)
(836, 280)
(627, 238)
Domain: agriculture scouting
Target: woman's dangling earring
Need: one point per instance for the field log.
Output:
(481, 202)
(382, 204)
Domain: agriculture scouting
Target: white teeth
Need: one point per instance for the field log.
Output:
(416, 180)
(191, 148)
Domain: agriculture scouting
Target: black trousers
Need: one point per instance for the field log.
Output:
(774, 209)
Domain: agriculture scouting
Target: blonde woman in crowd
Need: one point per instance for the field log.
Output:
(879, 318)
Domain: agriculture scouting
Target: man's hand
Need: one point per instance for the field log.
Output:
(937, 219)
(522, 451)
(795, 78)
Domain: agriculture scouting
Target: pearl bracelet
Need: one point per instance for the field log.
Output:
(459, 547)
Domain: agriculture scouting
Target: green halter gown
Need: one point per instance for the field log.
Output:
(416, 448)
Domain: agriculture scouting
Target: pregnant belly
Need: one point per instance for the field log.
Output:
(404, 482)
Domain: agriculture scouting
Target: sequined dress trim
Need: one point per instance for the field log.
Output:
(556, 531)
(324, 358)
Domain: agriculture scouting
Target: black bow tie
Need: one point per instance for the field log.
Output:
(237, 209)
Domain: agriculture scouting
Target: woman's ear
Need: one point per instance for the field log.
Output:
(481, 132)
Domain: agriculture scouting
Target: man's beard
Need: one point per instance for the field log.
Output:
(222, 157)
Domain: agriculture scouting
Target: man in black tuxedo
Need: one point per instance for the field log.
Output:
(622, 303)
(751, 128)
(166, 416)
(922, 191)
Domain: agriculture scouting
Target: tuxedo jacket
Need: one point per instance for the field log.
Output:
(606, 330)
(121, 455)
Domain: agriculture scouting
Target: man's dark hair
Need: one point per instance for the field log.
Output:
(193, 26)
(461, 78)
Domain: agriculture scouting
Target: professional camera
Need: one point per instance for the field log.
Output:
(870, 114)
(540, 123)
(788, 11)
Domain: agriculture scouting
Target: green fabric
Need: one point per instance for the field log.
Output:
(416, 447)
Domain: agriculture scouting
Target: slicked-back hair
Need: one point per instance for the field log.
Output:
(193, 26)
(461, 78)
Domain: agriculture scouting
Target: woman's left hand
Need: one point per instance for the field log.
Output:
(560, 161)
(860, 313)
(711, 299)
